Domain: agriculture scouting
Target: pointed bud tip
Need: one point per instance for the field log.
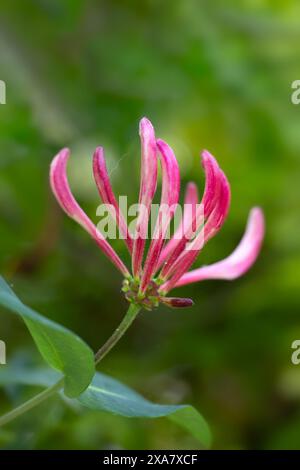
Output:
(57, 166)
(256, 222)
(257, 211)
(207, 156)
(146, 127)
(98, 150)
(63, 154)
(192, 186)
(98, 157)
(162, 145)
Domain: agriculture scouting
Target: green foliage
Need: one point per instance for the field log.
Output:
(61, 349)
(66, 352)
(110, 395)
(106, 393)
(212, 75)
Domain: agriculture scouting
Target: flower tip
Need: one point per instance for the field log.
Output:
(191, 186)
(160, 143)
(146, 128)
(61, 157)
(163, 147)
(206, 157)
(206, 154)
(98, 156)
(98, 151)
(256, 223)
(57, 166)
(177, 302)
(257, 213)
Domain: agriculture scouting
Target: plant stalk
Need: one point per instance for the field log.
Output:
(34, 401)
(118, 333)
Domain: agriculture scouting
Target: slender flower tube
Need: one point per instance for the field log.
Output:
(168, 204)
(147, 191)
(189, 212)
(166, 263)
(107, 195)
(210, 202)
(61, 189)
(210, 228)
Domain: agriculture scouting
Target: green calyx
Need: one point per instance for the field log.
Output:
(152, 296)
(148, 300)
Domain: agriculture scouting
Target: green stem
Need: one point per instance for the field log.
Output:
(118, 333)
(34, 401)
(100, 354)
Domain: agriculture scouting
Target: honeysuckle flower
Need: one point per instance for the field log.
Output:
(166, 264)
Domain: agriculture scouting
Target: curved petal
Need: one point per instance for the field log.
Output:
(107, 195)
(61, 190)
(212, 226)
(238, 263)
(147, 191)
(212, 170)
(168, 205)
(220, 211)
(208, 201)
(214, 207)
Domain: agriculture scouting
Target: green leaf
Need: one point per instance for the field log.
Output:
(60, 347)
(39, 376)
(108, 394)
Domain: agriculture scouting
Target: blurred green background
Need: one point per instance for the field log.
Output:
(209, 74)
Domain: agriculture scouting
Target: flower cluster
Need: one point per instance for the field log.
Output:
(166, 264)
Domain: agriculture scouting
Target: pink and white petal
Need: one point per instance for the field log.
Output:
(211, 190)
(168, 205)
(219, 213)
(107, 195)
(191, 250)
(240, 261)
(215, 204)
(190, 202)
(62, 192)
(170, 175)
(147, 191)
(209, 200)
(148, 162)
(179, 251)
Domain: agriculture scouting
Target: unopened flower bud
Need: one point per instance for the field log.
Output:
(177, 302)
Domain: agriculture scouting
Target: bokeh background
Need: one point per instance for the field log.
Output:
(209, 74)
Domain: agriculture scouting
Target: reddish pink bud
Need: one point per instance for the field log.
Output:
(177, 302)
